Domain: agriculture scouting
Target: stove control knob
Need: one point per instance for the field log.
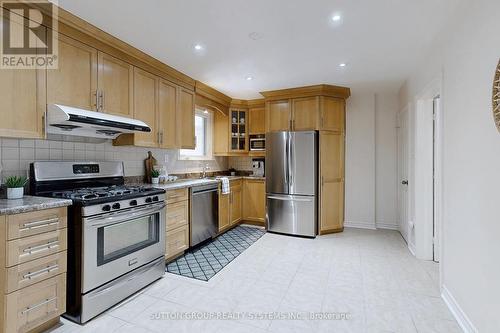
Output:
(133, 203)
(116, 206)
(148, 200)
(155, 199)
(106, 208)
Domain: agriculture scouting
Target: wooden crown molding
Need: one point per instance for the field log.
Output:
(248, 104)
(212, 94)
(316, 90)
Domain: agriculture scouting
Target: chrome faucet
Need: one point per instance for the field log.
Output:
(205, 168)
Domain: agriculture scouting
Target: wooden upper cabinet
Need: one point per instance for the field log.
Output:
(186, 119)
(332, 117)
(74, 82)
(167, 108)
(278, 115)
(115, 85)
(22, 101)
(145, 106)
(331, 156)
(305, 113)
(221, 134)
(257, 121)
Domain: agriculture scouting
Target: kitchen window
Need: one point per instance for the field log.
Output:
(203, 124)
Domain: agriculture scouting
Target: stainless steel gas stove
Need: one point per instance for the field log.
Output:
(116, 233)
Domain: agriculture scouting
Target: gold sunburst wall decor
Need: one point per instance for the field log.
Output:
(496, 96)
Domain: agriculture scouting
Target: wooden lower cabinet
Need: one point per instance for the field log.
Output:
(177, 241)
(224, 211)
(32, 270)
(33, 306)
(254, 200)
(236, 201)
(177, 223)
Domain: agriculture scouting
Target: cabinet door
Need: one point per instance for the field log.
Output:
(145, 106)
(278, 115)
(22, 100)
(254, 200)
(238, 130)
(221, 133)
(332, 114)
(224, 217)
(236, 202)
(186, 119)
(167, 108)
(331, 212)
(115, 79)
(74, 82)
(305, 113)
(257, 121)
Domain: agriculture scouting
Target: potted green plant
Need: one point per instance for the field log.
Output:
(155, 176)
(15, 186)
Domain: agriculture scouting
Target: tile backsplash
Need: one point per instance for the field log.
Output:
(243, 163)
(17, 154)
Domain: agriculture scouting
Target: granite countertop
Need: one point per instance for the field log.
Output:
(29, 203)
(190, 182)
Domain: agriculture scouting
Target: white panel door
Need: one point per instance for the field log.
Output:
(403, 157)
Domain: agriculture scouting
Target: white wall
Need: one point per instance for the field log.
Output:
(371, 150)
(360, 160)
(386, 108)
(471, 160)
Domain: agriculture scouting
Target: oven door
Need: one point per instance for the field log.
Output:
(119, 242)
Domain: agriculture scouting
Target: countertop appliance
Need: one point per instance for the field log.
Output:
(116, 233)
(257, 142)
(292, 182)
(204, 213)
(258, 167)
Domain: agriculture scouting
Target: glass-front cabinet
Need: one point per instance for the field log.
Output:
(238, 130)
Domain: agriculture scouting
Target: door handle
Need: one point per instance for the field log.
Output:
(404, 182)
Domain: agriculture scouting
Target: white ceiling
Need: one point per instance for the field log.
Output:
(382, 41)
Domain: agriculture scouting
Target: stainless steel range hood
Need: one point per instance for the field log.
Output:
(66, 120)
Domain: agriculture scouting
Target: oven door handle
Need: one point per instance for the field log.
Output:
(124, 216)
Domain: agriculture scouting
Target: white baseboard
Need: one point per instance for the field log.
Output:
(457, 312)
(389, 226)
(360, 225)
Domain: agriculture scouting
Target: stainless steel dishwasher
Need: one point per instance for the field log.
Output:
(204, 213)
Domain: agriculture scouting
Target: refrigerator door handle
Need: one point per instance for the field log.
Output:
(287, 161)
(290, 198)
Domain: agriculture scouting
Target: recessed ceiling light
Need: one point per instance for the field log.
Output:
(206, 111)
(336, 17)
(342, 64)
(198, 47)
(249, 78)
(255, 35)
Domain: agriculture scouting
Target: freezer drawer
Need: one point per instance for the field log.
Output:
(292, 214)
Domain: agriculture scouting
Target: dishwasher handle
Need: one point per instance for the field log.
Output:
(204, 189)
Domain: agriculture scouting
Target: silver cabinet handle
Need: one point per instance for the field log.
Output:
(290, 199)
(102, 100)
(39, 224)
(40, 248)
(40, 272)
(36, 306)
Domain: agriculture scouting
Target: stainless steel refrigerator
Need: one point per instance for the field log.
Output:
(292, 182)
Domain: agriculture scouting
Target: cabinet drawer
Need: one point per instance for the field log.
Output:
(31, 307)
(177, 195)
(234, 183)
(177, 241)
(32, 272)
(26, 249)
(38, 222)
(177, 215)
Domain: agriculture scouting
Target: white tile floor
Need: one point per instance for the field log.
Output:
(368, 274)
